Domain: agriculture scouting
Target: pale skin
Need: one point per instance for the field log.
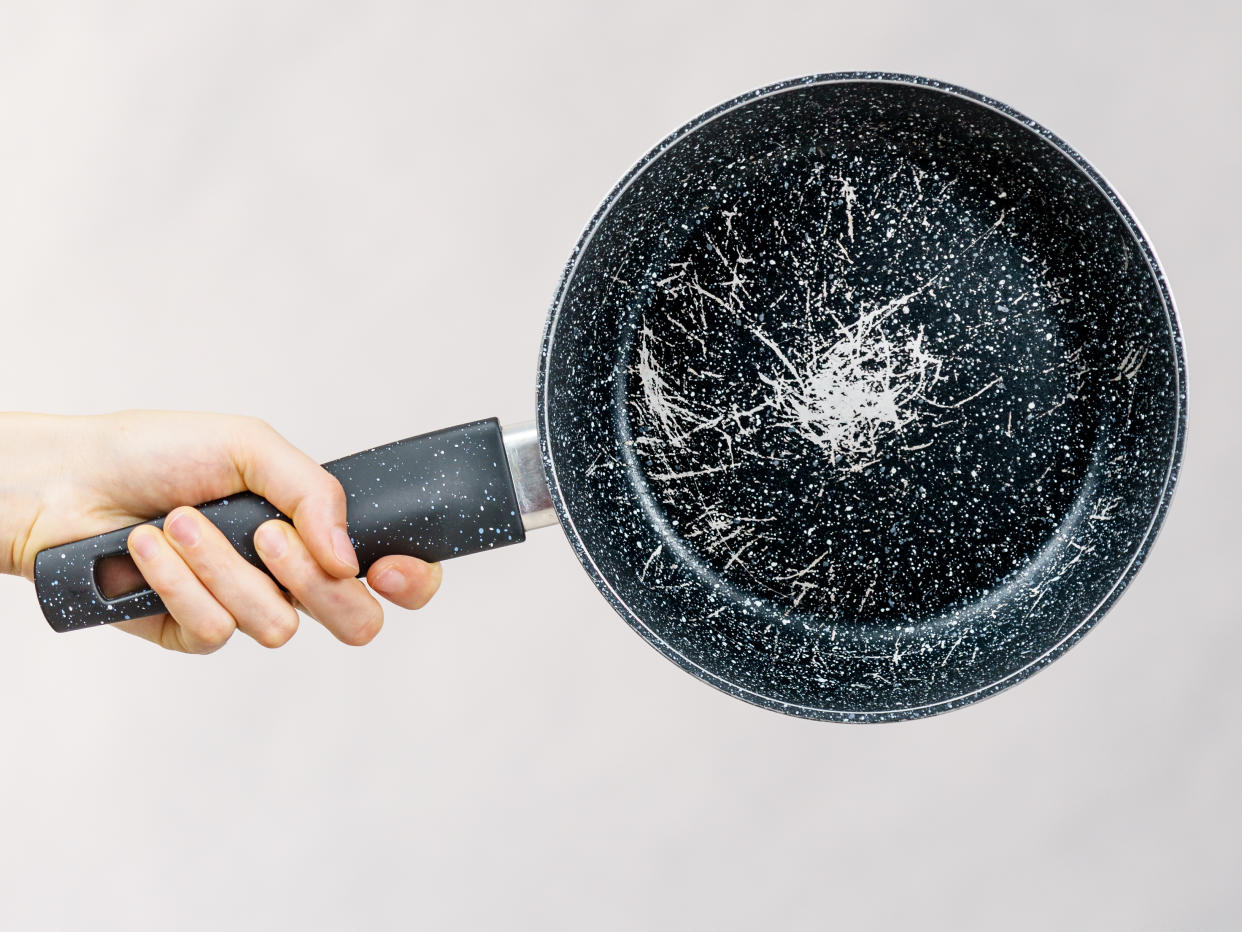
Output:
(65, 478)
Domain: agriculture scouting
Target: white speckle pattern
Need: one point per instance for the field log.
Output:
(435, 496)
(862, 397)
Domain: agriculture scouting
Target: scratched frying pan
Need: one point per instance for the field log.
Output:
(862, 398)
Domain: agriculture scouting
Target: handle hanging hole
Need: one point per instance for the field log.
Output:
(117, 577)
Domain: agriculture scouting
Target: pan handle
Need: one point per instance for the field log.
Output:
(439, 495)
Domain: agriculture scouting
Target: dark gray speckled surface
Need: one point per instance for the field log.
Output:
(862, 397)
(439, 495)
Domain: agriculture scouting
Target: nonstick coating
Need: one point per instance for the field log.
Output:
(862, 397)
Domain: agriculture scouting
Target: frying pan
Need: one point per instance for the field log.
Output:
(861, 398)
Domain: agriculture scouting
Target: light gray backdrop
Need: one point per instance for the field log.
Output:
(349, 219)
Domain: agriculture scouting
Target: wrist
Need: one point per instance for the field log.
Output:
(35, 458)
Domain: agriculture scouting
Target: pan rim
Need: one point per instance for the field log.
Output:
(1089, 619)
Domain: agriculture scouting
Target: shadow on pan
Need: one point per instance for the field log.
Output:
(862, 397)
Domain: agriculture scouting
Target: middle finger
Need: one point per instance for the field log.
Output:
(343, 606)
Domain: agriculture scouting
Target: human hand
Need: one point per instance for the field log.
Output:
(65, 478)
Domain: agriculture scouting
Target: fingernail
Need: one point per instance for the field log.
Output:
(142, 543)
(183, 530)
(343, 548)
(390, 580)
(270, 541)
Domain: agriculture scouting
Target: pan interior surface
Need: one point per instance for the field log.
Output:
(862, 398)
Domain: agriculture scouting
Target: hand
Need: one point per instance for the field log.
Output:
(65, 478)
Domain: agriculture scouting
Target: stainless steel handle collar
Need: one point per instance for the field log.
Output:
(526, 468)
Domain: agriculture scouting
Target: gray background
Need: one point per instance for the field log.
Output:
(349, 219)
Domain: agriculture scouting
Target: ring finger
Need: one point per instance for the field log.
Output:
(244, 590)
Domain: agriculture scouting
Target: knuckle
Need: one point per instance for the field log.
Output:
(363, 626)
(194, 643)
(300, 576)
(258, 425)
(209, 635)
(170, 585)
(245, 430)
(332, 489)
(340, 600)
(278, 629)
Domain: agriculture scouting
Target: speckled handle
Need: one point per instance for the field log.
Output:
(435, 496)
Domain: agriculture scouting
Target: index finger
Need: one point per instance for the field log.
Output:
(310, 495)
